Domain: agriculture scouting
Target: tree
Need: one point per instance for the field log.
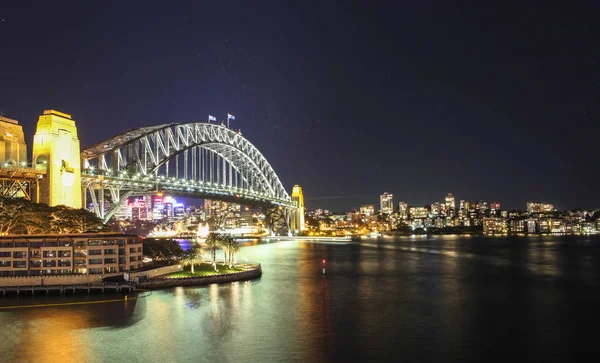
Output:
(162, 249)
(10, 214)
(18, 215)
(212, 242)
(192, 257)
(233, 246)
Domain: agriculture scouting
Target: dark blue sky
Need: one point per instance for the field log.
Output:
(347, 99)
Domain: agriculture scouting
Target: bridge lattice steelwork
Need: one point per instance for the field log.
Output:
(190, 159)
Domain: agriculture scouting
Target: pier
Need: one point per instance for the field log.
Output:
(64, 289)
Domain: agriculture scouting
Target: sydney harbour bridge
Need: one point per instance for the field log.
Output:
(199, 159)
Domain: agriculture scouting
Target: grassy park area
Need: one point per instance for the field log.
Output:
(206, 269)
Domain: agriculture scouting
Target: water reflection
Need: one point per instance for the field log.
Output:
(417, 299)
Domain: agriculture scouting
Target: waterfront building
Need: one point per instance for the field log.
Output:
(428, 222)
(367, 210)
(417, 223)
(532, 225)
(517, 226)
(494, 225)
(386, 201)
(544, 225)
(463, 205)
(440, 222)
(61, 254)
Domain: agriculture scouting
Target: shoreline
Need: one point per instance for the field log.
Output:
(162, 283)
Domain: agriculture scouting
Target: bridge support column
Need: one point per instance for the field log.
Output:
(56, 149)
(278, 221)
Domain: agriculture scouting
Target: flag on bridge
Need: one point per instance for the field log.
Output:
(212, 118)
(229, 117)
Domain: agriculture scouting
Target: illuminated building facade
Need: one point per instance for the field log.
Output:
(533, 207)
(494, 225)
(56, 149)
(418, 212)
(297, 215)
(63, 254)
(403, 210)
(367, 210)
(386, 201)
(450, 205)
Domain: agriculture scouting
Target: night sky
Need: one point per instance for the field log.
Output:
(347, 99)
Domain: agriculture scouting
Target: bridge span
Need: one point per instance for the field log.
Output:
(196, 159)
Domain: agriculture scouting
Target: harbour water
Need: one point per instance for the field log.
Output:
(445, 298)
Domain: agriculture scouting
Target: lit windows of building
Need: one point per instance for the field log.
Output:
(534, 207)
(463, 205)
(518, 226)
(440, 222)
(418, 212)
(403, 210)
(544, 225)
(532, 225)
(386, 202)
(436, 209)
(65, 254)
(450, 205)
(482, 206)
(367, 210)
(417, 223)
(494, 225)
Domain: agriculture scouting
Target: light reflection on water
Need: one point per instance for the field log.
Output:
(412, 299)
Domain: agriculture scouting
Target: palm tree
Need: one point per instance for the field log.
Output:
(192, 257)
(233, 247)
(212, 241)
(224, 242)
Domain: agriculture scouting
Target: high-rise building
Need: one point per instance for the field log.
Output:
(450, 205)
(387, 202)
(403, 210)
(463, 204)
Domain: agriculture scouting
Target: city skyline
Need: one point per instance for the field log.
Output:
(413, 99)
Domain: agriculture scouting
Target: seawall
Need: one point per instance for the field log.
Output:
(199, 281)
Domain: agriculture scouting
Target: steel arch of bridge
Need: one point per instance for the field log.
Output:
(194, 159)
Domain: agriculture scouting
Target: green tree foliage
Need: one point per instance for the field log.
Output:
(232, 246)
(213, 242)
(192, 257)
(20, 216)
(162, 249)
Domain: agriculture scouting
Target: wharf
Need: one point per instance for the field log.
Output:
(63, 289)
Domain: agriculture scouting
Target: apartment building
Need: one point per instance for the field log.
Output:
(63, 254)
